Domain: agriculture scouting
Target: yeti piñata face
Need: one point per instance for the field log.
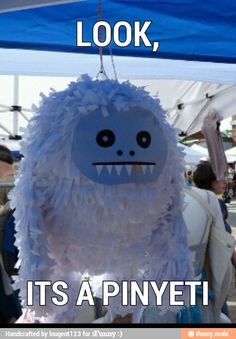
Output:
(122, 147)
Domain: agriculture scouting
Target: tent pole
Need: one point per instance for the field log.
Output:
(5, 129)
(16, 103)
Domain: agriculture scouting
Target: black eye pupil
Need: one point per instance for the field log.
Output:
(143, 139)
(105, 138)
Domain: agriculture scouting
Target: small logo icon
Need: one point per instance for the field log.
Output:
(191, 334)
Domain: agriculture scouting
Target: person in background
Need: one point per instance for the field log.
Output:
(189, 178)
(234, 184)
(228, 193)
(205, 178)
(10, 307)
(6, 174)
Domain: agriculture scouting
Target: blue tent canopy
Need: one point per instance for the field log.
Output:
(201, 30)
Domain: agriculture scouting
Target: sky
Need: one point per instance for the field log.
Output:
(30, 88)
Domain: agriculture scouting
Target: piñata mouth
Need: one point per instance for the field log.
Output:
(138, 167)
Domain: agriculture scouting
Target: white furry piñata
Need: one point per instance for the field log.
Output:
(99, 192)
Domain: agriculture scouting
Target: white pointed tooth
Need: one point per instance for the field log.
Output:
(99, 169)
(128, 168)
(118, 168)
(144, 168)
(109, 168)
(151, 167)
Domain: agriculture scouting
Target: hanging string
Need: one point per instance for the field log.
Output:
(102, 72)
(113, 64)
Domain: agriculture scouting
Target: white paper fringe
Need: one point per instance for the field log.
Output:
(66, 223)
